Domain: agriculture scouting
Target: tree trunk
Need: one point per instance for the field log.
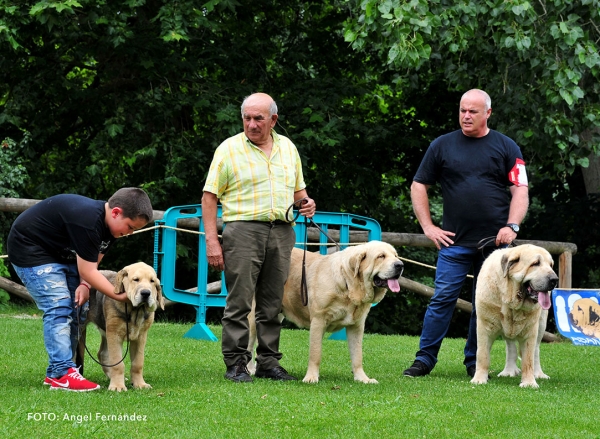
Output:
(591, 174)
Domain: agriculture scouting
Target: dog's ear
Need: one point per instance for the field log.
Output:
(508, 261)
(352, 275)
(159, 295)
(121, 276)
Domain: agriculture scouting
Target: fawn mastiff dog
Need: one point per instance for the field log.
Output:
(342, 287)
(126, 321)
(512, 299)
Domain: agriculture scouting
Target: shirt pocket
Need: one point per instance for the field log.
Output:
(284, 176)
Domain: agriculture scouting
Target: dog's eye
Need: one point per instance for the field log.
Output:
(535, 264)
(381, 256)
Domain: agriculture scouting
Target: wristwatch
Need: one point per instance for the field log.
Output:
(514, 227)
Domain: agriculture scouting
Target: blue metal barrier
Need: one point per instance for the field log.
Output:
(165, 256)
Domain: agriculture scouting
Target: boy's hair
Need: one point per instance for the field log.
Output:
(134, 202)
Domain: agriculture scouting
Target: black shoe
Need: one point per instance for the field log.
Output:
(418, 369)
(471, 370)
(238, 373)
(277, 373)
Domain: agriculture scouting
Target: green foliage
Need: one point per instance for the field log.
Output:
(14, 174)
(538, 60)
(97, 95)
(12, 179)
(140, 94)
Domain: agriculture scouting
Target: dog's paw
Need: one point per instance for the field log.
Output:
(541, 375)
(142, 385)
(531, 384)
(480, 378)
(510, 372)
(311, 379)
(367, 380)
(117, 388)
(363, 378)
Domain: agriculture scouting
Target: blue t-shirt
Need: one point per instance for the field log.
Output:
(474, 177)
(57, 229)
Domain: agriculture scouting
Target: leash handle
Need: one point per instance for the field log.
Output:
(287, 212)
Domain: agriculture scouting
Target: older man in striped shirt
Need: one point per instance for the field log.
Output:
(256, 175)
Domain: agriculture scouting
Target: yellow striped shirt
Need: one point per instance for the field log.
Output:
(250, 186)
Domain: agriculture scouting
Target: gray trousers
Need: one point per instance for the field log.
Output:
(257, 262)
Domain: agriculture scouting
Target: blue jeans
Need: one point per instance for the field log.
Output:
(453, 265)
(53, 286)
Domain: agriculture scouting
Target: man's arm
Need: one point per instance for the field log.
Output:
(214, 252)
(519, 203)
(420, 202)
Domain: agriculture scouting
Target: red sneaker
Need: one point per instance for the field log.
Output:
(74, 382)
(47, 381)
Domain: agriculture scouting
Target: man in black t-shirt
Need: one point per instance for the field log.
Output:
(55, 247)
(485, 195)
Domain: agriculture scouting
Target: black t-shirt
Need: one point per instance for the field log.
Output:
(57, 229)
(474, 177)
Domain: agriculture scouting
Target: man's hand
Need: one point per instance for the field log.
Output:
(438, 236)
(214, 254)
(505, 235)
(308, 207)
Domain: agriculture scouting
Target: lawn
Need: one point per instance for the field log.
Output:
(190, 398)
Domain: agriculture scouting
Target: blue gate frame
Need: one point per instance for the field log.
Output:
(165, 258)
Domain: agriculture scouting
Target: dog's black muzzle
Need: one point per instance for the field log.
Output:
(145, 293)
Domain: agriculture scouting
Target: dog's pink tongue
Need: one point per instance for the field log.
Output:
(544, 300)
(394, 285)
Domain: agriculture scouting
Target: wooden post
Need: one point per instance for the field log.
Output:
(565, 270)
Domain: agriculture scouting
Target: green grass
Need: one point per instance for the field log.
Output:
(190, 398)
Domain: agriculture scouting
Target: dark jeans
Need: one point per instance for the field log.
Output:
(453, 265)
(257, 261)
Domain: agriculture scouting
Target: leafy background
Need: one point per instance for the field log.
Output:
(97, 95)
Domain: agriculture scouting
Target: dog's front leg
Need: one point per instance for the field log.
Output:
(116, 373)
(485, 340)
(510, 366)
(355, 338)
(527, 363)
(317, 331)
(103, 354)
(136, 349)
(251, 366)
(537, 366)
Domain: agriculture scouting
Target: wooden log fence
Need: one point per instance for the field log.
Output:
(564, 250)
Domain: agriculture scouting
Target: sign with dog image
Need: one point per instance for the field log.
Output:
(577, 315)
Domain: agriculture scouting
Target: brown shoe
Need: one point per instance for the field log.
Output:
(238, 373)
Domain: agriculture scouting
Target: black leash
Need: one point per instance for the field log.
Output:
(303, 283)
(482, 244)
(126, 349)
